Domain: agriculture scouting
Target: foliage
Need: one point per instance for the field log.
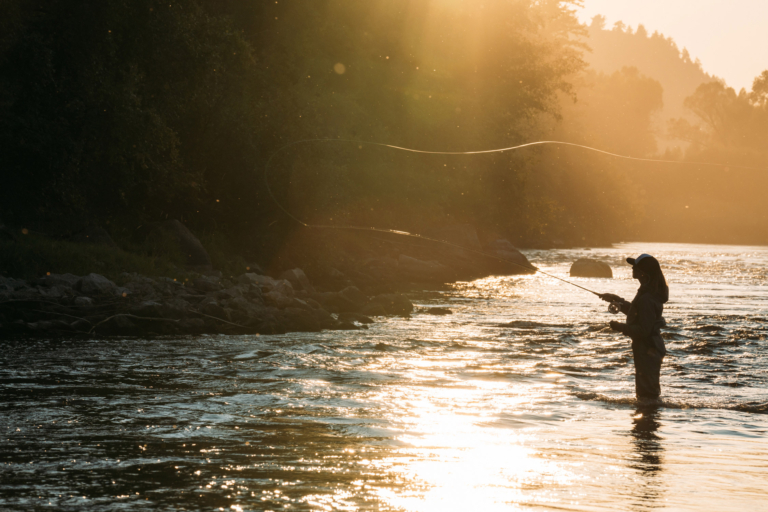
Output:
(724, 203)
(655, 56)
(128, 112)
(123, 113)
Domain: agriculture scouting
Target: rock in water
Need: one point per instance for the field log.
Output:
(586, 267)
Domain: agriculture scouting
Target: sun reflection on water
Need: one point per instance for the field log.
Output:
(455, 456)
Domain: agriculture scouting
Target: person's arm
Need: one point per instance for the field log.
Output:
(615, 299)
(646, 319)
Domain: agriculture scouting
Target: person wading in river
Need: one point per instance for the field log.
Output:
(644, 323)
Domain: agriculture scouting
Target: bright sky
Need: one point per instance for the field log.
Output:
(730, 37)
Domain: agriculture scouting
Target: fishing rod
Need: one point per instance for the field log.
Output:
(487, 151)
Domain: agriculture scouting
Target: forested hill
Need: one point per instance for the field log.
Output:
(124, 113)
(655, 56)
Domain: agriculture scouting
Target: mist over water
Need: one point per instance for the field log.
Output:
(520, 399)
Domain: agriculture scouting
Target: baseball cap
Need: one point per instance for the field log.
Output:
(635, 261)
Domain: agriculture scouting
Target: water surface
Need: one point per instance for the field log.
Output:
(521, 399)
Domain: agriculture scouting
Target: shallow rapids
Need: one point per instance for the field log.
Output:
(519, 399)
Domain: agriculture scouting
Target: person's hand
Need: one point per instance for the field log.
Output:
(609, 297)
(616, 326)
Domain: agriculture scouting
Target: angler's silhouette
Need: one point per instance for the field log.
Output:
(644, 323)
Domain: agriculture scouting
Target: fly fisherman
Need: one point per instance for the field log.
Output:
(644, 323)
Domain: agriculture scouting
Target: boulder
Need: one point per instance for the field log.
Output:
(16, 284)
(419, 270)
(283, 287)
(142, 287)
(353, 294)
(59, 280)
(300, 320)
(464, 235)
(324, 318)
(394, 303)
(243, 310)
(235, 291)
(508, 259)
(95, 285)
(207, 284)
(94, 235)
(587, 267)
(174, 233)
(298, 280)
(313, 303)
(501, 244)
(176, 308)
(54, 293)
(277, 300)
(374, 309)
(148, 309)
(214, 309)
(332, 279)
(335, 302)
(254, 279)
(83, 302)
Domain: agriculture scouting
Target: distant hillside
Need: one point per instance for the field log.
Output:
(655, 56)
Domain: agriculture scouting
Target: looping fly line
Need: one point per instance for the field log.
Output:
(529, 268)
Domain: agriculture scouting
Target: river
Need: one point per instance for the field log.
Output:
(521, 399)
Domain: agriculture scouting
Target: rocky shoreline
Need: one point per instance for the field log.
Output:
(92, 305)
(206, 302)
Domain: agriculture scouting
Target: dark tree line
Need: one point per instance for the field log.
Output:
(126, 112)
(121, 113)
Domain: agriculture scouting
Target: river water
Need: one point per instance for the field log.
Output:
(521, 399)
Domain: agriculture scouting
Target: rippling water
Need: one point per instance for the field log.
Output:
(520, 399)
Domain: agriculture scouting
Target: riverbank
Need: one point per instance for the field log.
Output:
(369, 279)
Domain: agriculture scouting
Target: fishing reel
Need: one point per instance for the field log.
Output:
(614, 308)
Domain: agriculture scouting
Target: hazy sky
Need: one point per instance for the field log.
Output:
(730, 37)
